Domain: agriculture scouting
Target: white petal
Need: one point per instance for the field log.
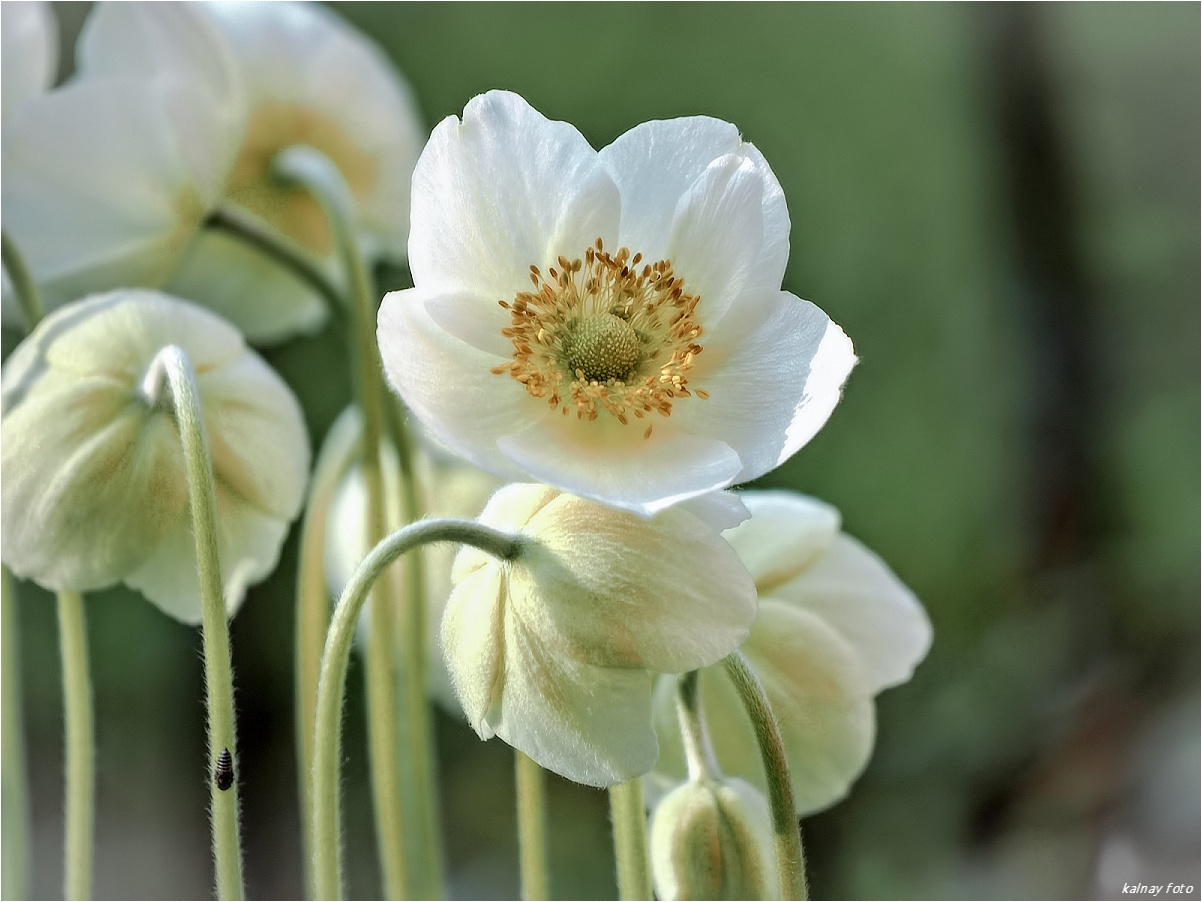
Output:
(655, 164)
(718, 510)
(785, 534)
(473, 646)
(449, 385)
(772, 391)
(857, 594)
(615, 589)
(589, 724)
(717, 234)
(30, 53)
(265, 300)
(614, 464)
(501, 191)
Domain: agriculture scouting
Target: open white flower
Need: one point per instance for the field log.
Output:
(29, 56)
(608, 323)
(835, 627)
(95, 490)
(555, 651)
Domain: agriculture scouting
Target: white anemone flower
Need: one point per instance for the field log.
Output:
(449, 487)
(555, 651)
(835, 627)
(610, 323)
(29, 55)
(301, 76)
(95, 490)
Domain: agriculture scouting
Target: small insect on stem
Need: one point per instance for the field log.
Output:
(223, 775)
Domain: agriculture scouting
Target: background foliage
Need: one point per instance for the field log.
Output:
(1000, 206)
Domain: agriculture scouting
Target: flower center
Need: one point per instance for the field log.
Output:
(599, 334)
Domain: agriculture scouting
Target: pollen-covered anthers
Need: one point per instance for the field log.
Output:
(602, 334)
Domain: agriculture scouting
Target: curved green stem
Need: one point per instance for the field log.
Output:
(698, 751)
(22, 280)
(13, 775)
(789, 857)
(313, 611)
(287, 253)
(172, 363)
(312, 171)
(532, 827)
(327, 864)
(629, 815)
(77, 709)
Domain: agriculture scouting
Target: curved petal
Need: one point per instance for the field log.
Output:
(785, 534)
(502, 190)
(617, 590)
(473, 644)
(858, 595)
(262, 298)
(449, 385)
(771, 392)
(615, 465)
(29, 59)
(656, 163)
(719, 510)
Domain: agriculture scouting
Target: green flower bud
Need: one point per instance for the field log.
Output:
(95, 490)
(713, 840)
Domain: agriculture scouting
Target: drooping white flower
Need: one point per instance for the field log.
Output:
(29, 56)
(449, 488)
(95, 490)
(608, 323)
(555, 651)
(835, 627)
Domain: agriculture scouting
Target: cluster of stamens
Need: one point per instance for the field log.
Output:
(602, 334)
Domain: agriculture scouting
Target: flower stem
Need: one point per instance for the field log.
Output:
(219, 680)
(327, 864)
(77, 709)
(311, 170)
(698, 751)
(532, 827)
(283, 251)
(313, 612)
(22, 280)
(789, 857)
(13, 775)
(629, 815)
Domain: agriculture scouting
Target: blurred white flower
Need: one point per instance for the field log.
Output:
(180, 108)
(609, 323)
(28, 55)
(95, 490)
(449, 488)
(712, 839)
(555, 651)
(835, 627)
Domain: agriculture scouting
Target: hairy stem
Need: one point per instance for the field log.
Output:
(80, 742)
(24, 287)
(13, 774)
(532, 827)
(629, 816)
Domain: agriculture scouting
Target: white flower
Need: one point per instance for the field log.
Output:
(29, 56)
(94, 484)
(608, 323)
(449, 488)
(181, 108)
(835, 627)
(555, 651)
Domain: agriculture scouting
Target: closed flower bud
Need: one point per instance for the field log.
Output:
(555, 651)
(713, 840)
(95, 490)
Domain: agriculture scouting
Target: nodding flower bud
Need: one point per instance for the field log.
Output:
(95, 488)
(712, 839)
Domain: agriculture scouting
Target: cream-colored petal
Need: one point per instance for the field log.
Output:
(503, 190)
(473, 645)
(855, 592)
(785, 534)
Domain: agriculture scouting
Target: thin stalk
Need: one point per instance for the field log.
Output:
(279, 248)
(532, 827)
(312, 171)
(313, 611)
(698, 751)
(13, 774)
(790, 860)
(77, 710)
(629, 816)
(327, 863)
(22, 281)
(172, 363)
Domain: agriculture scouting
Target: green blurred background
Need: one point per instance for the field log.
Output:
(1000, 206)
